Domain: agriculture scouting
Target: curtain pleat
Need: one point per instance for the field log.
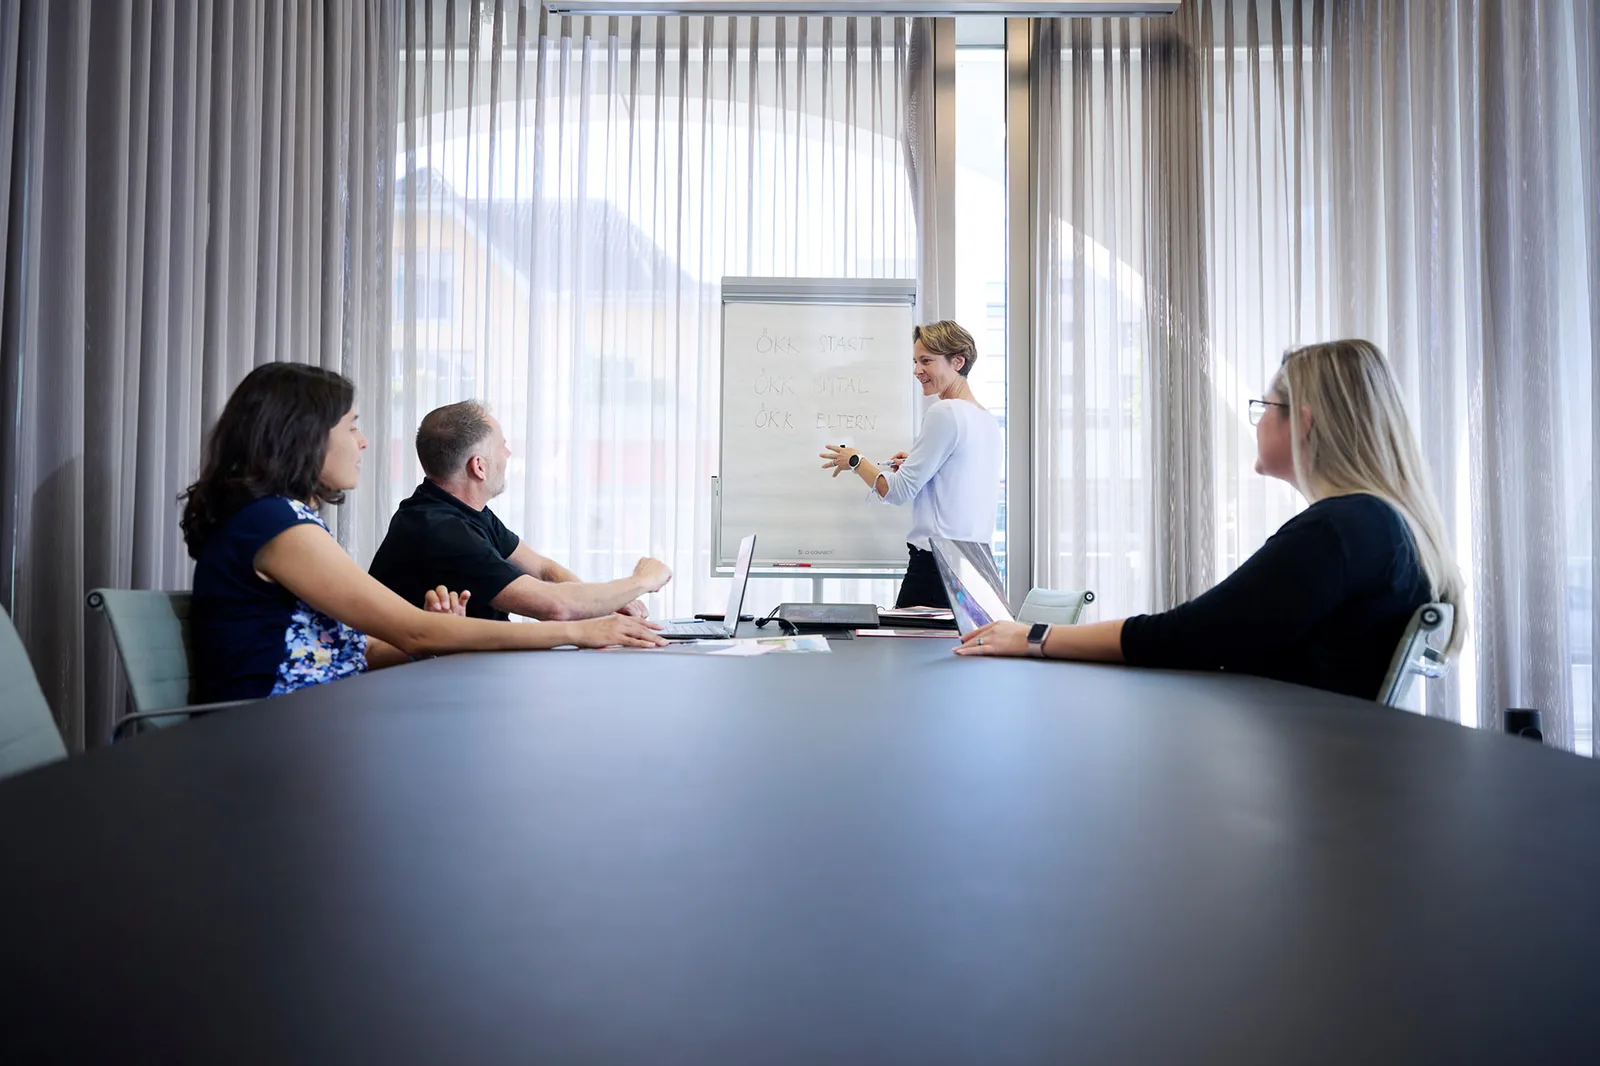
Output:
(935, 287)
(1586, 38)
(1177, 74)
(1518, 477)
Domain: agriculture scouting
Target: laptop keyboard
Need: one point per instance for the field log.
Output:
(694, 629)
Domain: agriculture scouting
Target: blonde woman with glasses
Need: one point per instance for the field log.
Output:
(1326, 598)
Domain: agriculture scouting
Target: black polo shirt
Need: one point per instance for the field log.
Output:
(435, 539)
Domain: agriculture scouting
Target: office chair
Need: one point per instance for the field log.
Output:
(1056, 608)
(28, 734)
(151, 630)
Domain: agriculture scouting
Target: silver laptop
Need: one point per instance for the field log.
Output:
(972, 581)
(730, 620)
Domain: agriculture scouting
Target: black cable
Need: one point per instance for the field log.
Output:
(785, 626)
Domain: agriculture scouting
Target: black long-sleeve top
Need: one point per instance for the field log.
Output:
(1322, 603)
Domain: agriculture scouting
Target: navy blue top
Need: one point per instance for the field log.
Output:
(1322, 603)
(253, 637)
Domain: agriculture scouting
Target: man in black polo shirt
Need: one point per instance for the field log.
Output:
(445, 534)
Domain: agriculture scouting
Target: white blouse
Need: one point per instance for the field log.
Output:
(952, 478)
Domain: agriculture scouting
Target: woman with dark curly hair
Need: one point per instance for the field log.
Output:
(278, 605)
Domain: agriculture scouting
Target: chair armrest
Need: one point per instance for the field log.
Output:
(194, 711)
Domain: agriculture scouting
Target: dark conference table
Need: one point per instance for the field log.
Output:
(883, 855)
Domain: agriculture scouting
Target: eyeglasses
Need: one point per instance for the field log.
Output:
(1258, 409)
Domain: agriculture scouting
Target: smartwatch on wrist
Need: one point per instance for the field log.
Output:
(855, 460)
(1036, 638)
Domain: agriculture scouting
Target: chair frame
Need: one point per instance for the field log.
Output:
(96, 602)
(1420, 652)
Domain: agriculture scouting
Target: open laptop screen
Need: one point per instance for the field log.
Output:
(972, 581)
(741, 578)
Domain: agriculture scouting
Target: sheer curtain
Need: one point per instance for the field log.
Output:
(570, 193)
(187, 190)
(1246, 175)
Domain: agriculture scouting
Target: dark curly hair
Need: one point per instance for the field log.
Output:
(271, 440)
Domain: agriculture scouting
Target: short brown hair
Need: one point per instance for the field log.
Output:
(448, 435)
(949, 340)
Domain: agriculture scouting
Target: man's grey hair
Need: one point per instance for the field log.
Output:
(451, 435)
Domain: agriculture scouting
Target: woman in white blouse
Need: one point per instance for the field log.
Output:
(951, 476)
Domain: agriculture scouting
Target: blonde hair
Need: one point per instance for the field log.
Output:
(949, 340)
(1360, 440)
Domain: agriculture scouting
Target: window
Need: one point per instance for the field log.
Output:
(586, 214)
(435, 280)
(981, 219)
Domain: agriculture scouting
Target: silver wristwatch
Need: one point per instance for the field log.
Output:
(855, 460)
(1036, 639)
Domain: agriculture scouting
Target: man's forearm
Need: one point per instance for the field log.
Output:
(557, 574)
(537, 566)
(594, 599)
(568, 601)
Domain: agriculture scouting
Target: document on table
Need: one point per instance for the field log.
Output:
(753, 645)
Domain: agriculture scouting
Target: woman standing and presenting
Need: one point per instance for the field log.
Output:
(951, 476)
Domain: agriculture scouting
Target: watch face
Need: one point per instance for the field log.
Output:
(1039, 631)
(855, 461)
